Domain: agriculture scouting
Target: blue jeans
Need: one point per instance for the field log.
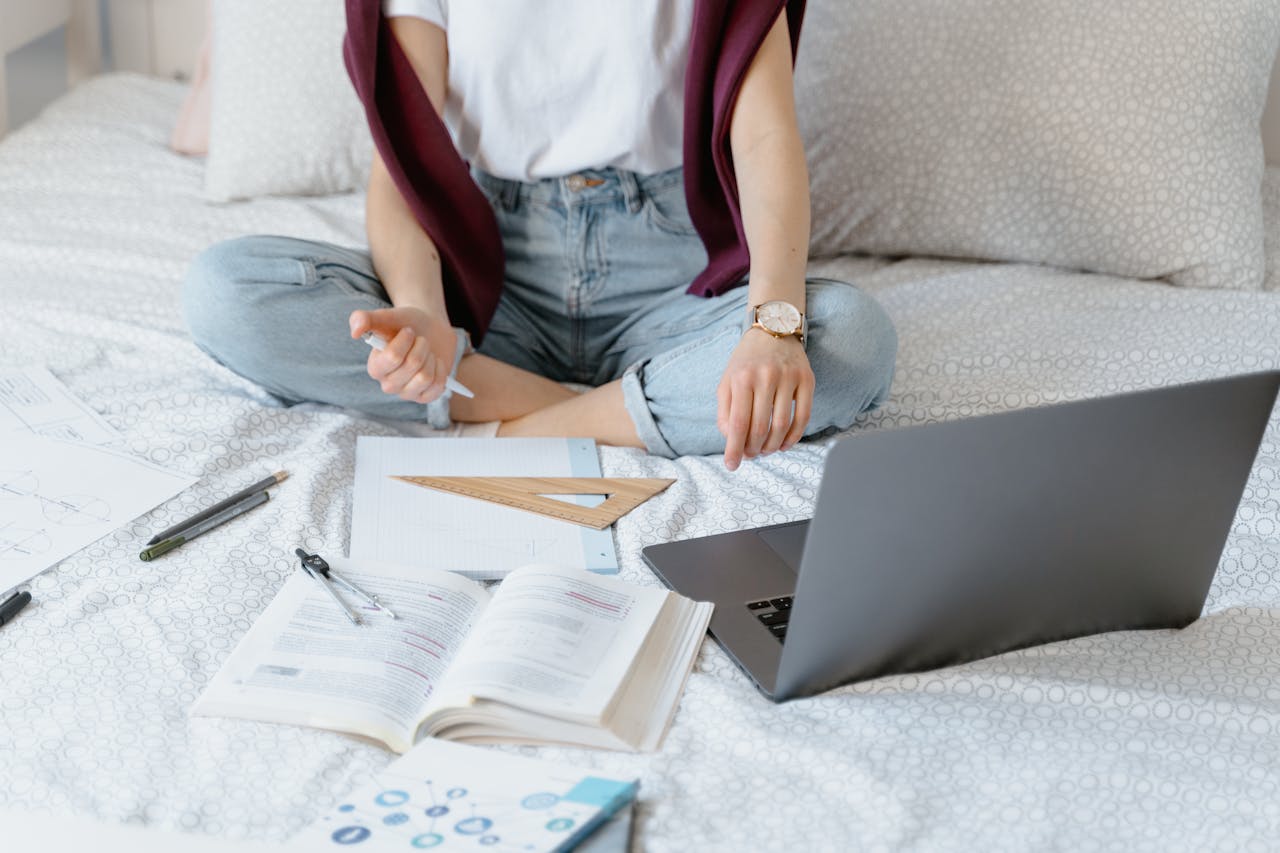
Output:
(597, 266)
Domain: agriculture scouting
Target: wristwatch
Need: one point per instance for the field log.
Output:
(778, 318)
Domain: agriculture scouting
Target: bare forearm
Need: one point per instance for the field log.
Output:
(773, 189)
(766, 393)
(404, 256)
(773, 180)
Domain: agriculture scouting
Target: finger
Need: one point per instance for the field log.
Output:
(384, 362)
(800, 420)
(435, 371)
(761, 418)
(360, 322)
(395, 381)
(437, 387)
(739, 421)
(783, 405)
(418, 388)
(723, 396)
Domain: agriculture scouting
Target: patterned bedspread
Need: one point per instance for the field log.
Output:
(1136, 740)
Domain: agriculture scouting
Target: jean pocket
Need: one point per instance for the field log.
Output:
(666, 211)
(493, 189)
(494, 197)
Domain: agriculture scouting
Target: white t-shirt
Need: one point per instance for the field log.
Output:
(546, 88)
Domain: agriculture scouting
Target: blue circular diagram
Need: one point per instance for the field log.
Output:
(390, 799)
(395, 819)
(436, 811)
(488, 840)
(540, 801)
(560, 824)
(347, 807)
(427, 840)
(472, 826)
(350, 835)
(454, 793)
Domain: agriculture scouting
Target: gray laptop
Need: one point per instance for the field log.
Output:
(945, 543)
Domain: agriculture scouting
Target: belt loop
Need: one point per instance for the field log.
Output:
(630, 190)
(510, 195)
(503, 192)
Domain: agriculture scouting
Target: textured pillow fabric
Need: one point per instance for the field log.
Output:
(284, 118)
(1116, 136)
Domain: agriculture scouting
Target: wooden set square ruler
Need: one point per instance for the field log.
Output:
(528, 493)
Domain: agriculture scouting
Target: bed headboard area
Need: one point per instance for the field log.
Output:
(159, 37)
(22, 23)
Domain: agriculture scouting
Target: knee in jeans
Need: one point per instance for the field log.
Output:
(223, 286)
(859, 343)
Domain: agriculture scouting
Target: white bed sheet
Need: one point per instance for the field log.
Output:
(1138, 740)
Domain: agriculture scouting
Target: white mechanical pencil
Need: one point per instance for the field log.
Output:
(376, 341)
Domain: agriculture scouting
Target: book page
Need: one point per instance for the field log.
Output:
(304, 662)
(559, 641)
(400, 522)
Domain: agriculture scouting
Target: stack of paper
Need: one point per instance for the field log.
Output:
(58, 496)
(400, 523)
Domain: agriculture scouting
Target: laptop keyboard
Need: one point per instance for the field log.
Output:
(773, 613)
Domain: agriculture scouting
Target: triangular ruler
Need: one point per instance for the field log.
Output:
(527, 493)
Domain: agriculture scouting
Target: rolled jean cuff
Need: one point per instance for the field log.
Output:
(638, 407)
(438, 409)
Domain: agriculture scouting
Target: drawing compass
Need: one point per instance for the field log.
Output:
(323, 574)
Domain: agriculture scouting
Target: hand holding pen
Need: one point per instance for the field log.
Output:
(413, 352)
(376, 341)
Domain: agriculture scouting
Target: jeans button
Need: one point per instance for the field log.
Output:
(576, 182)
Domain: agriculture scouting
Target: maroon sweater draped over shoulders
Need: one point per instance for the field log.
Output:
(436, 182)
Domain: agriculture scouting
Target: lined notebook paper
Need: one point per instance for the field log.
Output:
(404, 524)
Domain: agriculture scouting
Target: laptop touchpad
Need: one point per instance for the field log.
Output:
(787, 541)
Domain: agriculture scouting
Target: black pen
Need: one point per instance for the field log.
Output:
(188, 533)
(261, 485)
(13, 604)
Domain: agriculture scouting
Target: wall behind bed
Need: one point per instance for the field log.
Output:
(48, 45)
(159, 37)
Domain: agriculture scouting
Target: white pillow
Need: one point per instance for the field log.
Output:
(1117, 136)
(285, 119)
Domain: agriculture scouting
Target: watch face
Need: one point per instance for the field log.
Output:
(781, 318)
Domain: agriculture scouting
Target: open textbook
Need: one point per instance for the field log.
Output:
(553, 655)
